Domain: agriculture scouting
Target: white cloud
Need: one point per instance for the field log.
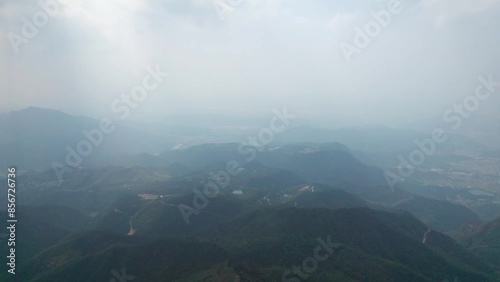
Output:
(264, 55)
(340, 20)
(445, 12)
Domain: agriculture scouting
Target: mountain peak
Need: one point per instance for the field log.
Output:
(37, 110)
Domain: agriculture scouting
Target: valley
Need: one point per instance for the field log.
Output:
(211, 208)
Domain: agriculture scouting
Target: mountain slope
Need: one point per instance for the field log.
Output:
(484, 241)
(262, 245)
(34, 138)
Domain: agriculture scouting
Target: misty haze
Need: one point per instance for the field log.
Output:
(250, 140)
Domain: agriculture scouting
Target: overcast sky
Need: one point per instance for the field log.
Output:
(263, 54)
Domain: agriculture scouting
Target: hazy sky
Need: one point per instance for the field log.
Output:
(263, 54)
